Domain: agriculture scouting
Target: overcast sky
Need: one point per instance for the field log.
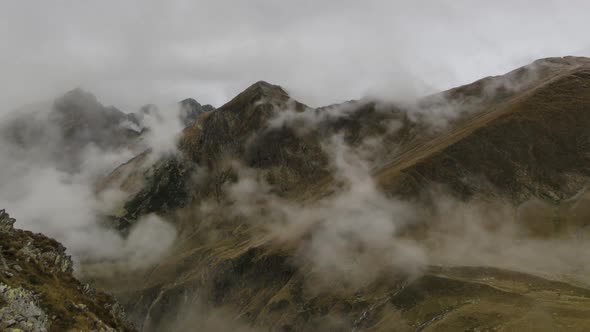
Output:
(130, 53)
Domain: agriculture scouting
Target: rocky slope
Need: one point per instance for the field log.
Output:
(39, 293)
(515, 142)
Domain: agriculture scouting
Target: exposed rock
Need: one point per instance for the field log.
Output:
(6, 223)
(39, 292)
(22, 311)
(190, 110)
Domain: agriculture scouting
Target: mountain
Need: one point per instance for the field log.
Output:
(39, 293)
(463, 210)
(227, 131)
(63, 131)
(534, 141)
(191, 109)
(83, 120)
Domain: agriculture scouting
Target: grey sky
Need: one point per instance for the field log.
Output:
(134, 52)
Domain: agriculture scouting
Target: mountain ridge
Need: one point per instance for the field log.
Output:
(261, 134)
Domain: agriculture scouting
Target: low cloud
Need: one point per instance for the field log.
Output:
(163, 127)
(50, 188)
(357, 233)
(350, 237)
(65, 207)
(479, 233)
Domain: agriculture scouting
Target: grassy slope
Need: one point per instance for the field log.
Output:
(524, 145)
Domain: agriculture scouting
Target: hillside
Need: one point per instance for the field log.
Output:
(534, 142)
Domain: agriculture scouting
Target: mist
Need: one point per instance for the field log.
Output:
(48, 182)
(357, 234)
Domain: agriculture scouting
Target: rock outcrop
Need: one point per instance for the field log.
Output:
(39, 293)
(190, 110)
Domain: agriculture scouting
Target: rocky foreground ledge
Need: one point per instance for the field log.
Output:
(39, 293)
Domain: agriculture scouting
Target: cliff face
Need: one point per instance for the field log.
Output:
(514, 142)
(39, 293)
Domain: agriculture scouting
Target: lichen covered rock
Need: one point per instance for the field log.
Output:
(21, 310)
(6, 223)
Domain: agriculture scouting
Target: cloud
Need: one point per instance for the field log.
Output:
(349, 237)
(164, 127)
(64, 206)
(480, 233)
(323, 52)
(357, 233)
(46, 196)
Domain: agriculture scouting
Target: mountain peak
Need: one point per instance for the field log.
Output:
(264, 89)
(191, 109)
(256, 92)
(77, 98)
(190, 102)
(265, 85)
